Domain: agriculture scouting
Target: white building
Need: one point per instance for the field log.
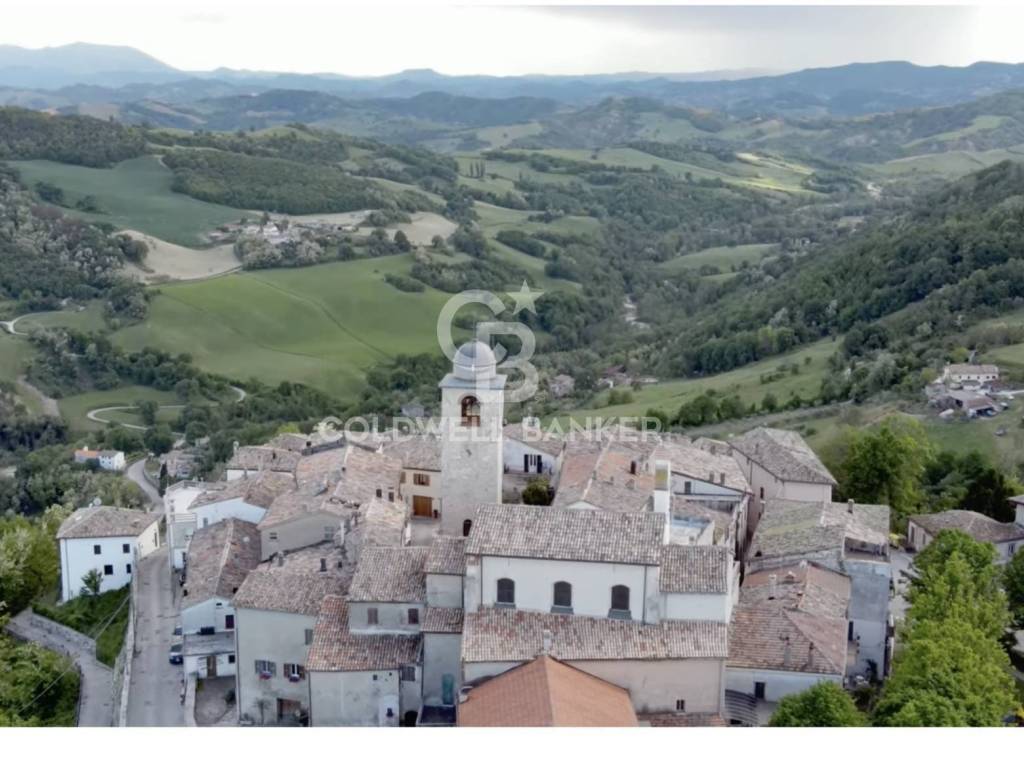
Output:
(180, 520)
(969, 376)
(110, 461)
(778, 464)
(472, 412)
(1007, 538)
(529, 450)
(105, 539)
(220, 556)
(420, 484)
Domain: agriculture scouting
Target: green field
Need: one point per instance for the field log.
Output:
(322, 325)
(745, 382)
(75, 407)
(724, 257)
(949, 164)
(134, 194)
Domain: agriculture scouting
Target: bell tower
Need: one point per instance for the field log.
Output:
(472, 413)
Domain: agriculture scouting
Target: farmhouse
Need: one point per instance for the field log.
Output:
(969, 376)
(109, 540)
(1007, 538)
(111, 461)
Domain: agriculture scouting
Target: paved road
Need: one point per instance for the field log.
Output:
(153, 696)
(97, 692)
(136, 472)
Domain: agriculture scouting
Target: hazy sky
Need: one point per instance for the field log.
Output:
(306, 36)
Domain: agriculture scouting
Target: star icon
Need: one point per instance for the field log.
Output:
(525, 299)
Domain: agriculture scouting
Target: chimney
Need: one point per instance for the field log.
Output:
(787, 653)
(323, 564)
(663, 494)
(810, 654)
(546, 641)
(280, 559)
(849, 506)
(772, 591)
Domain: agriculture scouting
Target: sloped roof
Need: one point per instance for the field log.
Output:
(447, 556)
(220, 556)
(446, 621)
(416, 452)
(585, 535)
(497, 634)
(976, 525)
(335, 649)
(545, 441)
(260, 490)
(802, 527)
(265, 458)
(105, 522)
(809, 587)
(390, 575)
(364, 474)
(783, 453)
(695, 569)
(694, 462)
(286, 592)
(295, 504)
(546, 693)
(598, 472)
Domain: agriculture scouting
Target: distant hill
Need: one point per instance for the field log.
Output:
(63, 65)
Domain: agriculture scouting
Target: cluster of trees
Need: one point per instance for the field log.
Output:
(46, 257)
(28, 135)
(39, 687)
(951, 669)
(276, 184)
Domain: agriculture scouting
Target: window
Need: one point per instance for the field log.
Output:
(506, 592)
(295, 672)
(408, 674)
(562, 602)
(266, 669)
(470, 411)
(419, 478)
(391, 495)
(380, 493)
(371, 616)
(620, 603)
(108, 570)
(402, 478)
(758, 690)
(128, 568)
(229, 621)
(309, 637)
(328, 532)
(466, 526)
(96, 549)
(680, 705)
(414, 615)
(273, 536)
(632, 467)
(762, 493)
(231, 658)
(126, 548)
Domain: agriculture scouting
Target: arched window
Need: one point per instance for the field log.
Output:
(506, 592)
(562, 602)
(470, 411)
(466, 526)
(620, 602)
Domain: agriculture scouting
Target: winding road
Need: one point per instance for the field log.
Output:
(94, 414)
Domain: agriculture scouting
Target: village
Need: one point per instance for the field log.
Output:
(465, 577)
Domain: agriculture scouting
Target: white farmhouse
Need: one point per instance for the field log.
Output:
(220, 556)
(109, 461)
(959, 375)
(106, 539)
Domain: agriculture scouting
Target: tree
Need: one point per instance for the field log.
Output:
(158, 439)
(1013, 581)
(956, 592)
(824, 705)
(92, 583)
(538, 492)
(402, 241)
(979, 555)
(886, 465)
(147, 411)
(770, 403)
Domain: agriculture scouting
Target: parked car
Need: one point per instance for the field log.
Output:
(175, 656)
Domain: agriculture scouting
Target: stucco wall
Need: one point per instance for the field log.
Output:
(271, 636)
(391, 617)
(297, 533)
(441, 656)
(444, 590)
(209, 613)
(777, 683)
(514, 451)
(591, 583)
(78, 558)
(355, 698)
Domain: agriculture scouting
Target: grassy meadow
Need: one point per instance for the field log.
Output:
(723, 257)
(134, 194)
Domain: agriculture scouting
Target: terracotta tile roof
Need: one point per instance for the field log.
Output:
(377, 523)
(597, 472)
(260, 490)
(768, 635)
(105, 522)
(390, 575)
(220, 556)
(546, 693)
(585, 535)
(695, 569)
(256, 458)
(974, 524)
(784, 454)
(497, 634)
(804, 527)
(693, 462)
(808, 587)
(365, 473)
(321, 469)
(335, 649)
(447, 556)
(446, 621)
(963, 369)
(416, 452)
(682, 720)
(684, 509)
(295, 504)
(307, 561)
(276, 590)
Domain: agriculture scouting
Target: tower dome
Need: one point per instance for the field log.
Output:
(474, 361)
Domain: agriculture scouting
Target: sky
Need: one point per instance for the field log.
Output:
(310, 36)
